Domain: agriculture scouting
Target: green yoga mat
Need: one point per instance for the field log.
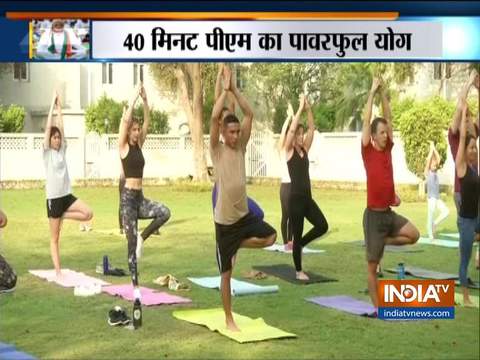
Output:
(250, 329)
(394, 248)
(459, 300)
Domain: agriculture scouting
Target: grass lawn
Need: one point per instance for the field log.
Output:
(49, 322)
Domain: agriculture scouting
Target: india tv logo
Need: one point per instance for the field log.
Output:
(416, 299)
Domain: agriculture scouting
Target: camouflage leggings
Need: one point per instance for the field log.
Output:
(8, 278)
(134, 206)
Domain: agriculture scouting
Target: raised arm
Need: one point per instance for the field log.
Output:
(367, 116)
(387, 112)
(59, 120)
(283, 132)
(125, 123)
(217, 112)
(462, 98)
(146, 116)
(311, 127)
(460, 163)
(246, 110)
(293, 125)
(431, 154)
(49, 124)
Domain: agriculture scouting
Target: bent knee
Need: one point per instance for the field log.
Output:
(89, 215)
(271, 239)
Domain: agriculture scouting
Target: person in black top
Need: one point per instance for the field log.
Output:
(301, 203)
(134, 205)
(467, 172)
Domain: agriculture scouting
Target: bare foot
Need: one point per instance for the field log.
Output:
(231, 325)
(302, 276)
(58, 274)
(288, 246)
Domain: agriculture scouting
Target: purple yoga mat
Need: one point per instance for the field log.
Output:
(344, 303)
(149, 296)
(69, 278)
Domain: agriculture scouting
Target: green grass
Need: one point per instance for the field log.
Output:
(49, 322)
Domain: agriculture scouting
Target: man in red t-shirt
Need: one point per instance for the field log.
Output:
(454, 134)
(381, 225)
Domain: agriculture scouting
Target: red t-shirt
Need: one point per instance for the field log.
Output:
(379, 169)
(454, 141)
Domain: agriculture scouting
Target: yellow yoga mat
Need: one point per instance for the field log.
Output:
(250, 329)
(459, 300)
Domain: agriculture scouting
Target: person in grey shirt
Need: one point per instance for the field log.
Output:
(433, 191)
(61, 204)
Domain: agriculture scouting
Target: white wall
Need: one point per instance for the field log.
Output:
(333, 157)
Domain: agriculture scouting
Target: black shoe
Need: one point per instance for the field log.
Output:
(118, 316)
(115, 272)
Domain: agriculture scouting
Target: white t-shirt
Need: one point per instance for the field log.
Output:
(57, 179)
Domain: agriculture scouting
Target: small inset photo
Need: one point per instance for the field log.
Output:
(59, 39)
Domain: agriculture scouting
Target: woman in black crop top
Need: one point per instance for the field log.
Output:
(301, 203)
(134, 205)
(468, 217)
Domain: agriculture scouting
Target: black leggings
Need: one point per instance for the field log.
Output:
(284, 201)
(121, 185)
(135, 206)
(301, 207)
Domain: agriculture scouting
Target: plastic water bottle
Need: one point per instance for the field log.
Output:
(137, 314)
(105, 264)
(400, 271)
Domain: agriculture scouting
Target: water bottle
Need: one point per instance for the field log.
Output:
(105, 264)
(401, 271)
(137, 314)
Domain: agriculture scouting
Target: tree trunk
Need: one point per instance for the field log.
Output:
(194, 111)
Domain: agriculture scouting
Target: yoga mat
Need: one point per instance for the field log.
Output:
(459, 300)
(69, 278)
(451, 235)
(439, 242)
(471, 284)
(238, 288)
(287, 273)
(281, 248)
(6, 347)
(394, 248)
(425, 274)
(344, 303)
(250, 329)
(149, 296)
(16, 355)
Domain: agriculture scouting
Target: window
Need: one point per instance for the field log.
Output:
(137, 73)
(20, 71)
(107, 73)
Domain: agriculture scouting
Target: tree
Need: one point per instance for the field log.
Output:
(104, 116)
(424, 122)
(191, 81)
(12, 118)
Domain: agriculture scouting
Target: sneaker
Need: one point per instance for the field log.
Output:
(5, 290)
(82, 227)
(117, 316)
(139, 249)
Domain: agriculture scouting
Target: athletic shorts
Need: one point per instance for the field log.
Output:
(56, 207)
(377, 225)
(230, 237)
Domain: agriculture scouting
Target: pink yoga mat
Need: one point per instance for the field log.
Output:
(69, 278)
(149, 296)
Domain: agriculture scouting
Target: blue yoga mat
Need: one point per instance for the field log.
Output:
(238, 287)
(439, 242)
(6, 347)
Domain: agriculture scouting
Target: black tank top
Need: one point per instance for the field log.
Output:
(134, 162)
(299, 175)
(470, 194)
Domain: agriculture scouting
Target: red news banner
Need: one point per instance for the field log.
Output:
(416, 293)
